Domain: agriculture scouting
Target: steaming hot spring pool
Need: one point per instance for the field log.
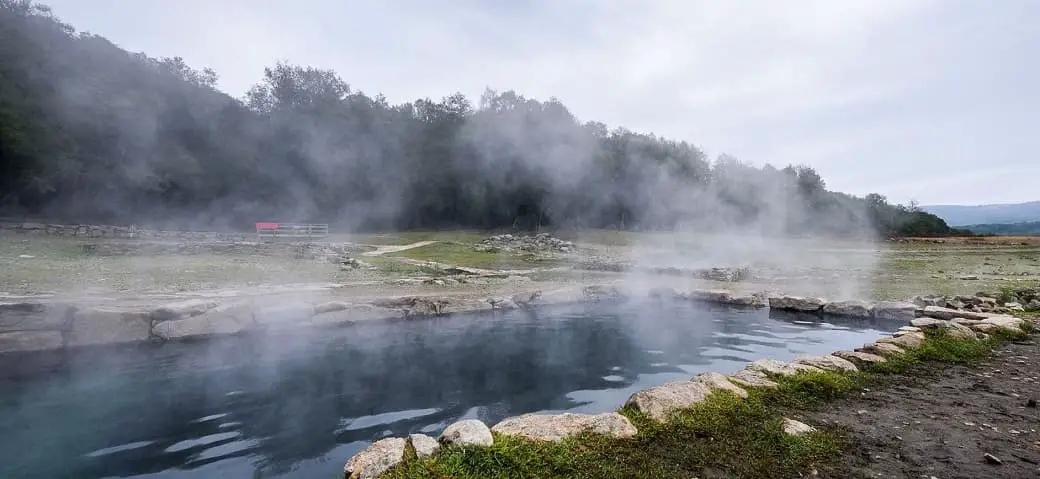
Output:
(301, 405)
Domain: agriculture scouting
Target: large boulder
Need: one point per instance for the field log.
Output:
(796, 303)
(897, 311)
(828, 363)
(556, 427)
(853, 308)
(659, 402)
(109, 326)
(376, 459)
(469, 432)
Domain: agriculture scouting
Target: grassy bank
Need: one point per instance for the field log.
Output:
(724, 436)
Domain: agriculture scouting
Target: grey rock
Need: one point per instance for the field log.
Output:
(897, 311)
(854, 308)
(772, 366)
(182, 309)
(948, 314)
(828, 363)
(1033, 305)
(909, 340)
(860, 359)
(930, 323)
(752, 379)
(222, 320)
(796, 303)
(330, 307)
(659, 402)
(796, 428)
(423, 445)
(469, 432)
(376, 459)
(556, 427)
(881, 349)
(110, 326)
(26, 341)
(719, 381)
(1012, 306)
(922, 301)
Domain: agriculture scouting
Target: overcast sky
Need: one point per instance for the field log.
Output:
(933, 100)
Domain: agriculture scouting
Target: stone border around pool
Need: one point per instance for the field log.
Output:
(659, 402)
(27, 327)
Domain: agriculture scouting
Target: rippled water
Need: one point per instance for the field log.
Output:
(299, 406)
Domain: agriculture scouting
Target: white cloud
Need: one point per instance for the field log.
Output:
(910, 98)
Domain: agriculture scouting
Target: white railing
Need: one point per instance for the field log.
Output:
(285, 230)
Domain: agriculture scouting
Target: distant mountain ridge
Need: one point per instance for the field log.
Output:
(1031, 228)
(963, 215)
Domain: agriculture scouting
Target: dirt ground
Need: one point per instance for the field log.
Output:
(942, 423)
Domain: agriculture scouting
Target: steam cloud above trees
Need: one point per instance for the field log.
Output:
(92, 132)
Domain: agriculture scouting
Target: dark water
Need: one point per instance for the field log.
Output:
(299, 406)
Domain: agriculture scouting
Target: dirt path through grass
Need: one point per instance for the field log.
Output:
(386, 249)
(943, 422)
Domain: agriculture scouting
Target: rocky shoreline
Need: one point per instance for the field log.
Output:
(29, 326)
(963, 320)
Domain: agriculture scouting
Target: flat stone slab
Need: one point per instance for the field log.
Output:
(828, 363)
(896, 311)
(556, 427)
(860, 358)
(26, 341)
(796, 303)
(948, 314)
(772, 366)
(882, 349)
(908, 340)
(109, 326)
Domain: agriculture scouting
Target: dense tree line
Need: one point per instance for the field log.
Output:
(90, 132)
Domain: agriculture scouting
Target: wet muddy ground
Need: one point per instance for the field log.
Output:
(950, 422)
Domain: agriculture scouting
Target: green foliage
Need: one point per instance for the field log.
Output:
(725, 434)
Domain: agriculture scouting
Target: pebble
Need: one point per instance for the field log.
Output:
(990, 458)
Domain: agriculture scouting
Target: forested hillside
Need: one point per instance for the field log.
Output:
(90, 132)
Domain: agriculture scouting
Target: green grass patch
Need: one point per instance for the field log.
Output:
(724, 436)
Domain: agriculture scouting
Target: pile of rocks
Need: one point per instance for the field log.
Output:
(507, 243)
(1004, 302)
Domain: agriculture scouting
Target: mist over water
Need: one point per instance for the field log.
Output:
(299, 406)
